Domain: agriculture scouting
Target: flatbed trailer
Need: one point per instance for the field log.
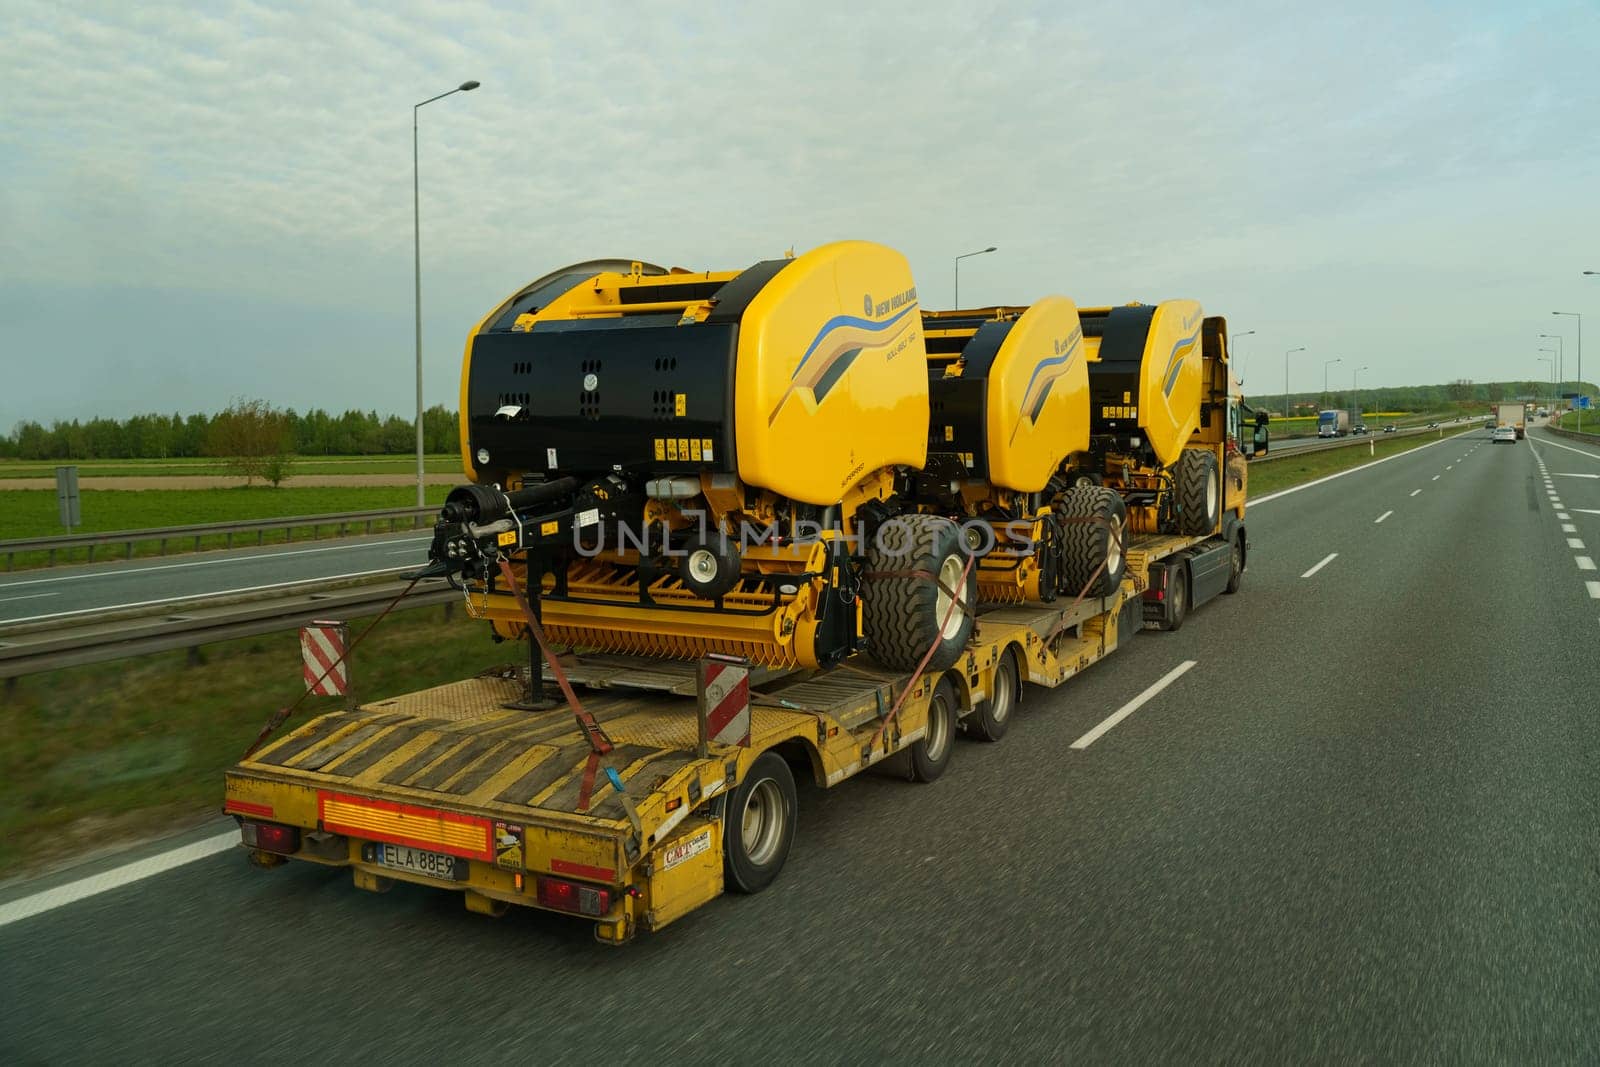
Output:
(454, 788)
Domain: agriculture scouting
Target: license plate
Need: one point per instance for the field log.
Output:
(417, 861)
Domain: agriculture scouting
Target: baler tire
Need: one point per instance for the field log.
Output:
(751, 866)
(901, 616)
(1198, 485)
(1086, 545)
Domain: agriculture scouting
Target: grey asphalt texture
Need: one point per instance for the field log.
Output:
(1363, 827)
(29, 595)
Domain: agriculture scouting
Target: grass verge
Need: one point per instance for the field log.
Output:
(444, 463)
(101, 755)
(32, 513)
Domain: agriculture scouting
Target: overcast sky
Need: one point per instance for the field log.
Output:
(205, 201)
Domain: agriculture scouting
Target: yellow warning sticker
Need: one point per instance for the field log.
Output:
(694, 448)
(949, 433)
(683, 449)
(680, 404)
(672, 448)
(1127, 398)
(661, 449)
(548, 528)
(705, 449)
(507, 538)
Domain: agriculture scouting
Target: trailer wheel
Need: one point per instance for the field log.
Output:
(1199, 492)
(1177, 596)
(760, 825)
(1236, 575)
(930, 753)
(903, 612)
(990, 719)
(1087, 544)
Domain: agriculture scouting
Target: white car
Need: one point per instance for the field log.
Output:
(1504, 433)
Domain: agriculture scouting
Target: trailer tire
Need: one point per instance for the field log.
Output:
(1199, 492)
(991, 718)
(1236, 574)
(1177, 596)
(901, 615)
(759, 827)
(930, 753)
(1085, 545)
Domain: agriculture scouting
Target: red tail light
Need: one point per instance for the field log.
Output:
(270, 837)
(576, 897)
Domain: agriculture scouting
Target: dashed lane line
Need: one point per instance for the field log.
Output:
(1584, 563)
(1133, 705)
(61, 895)
(1414, 492)
(1331, 556)
(1380, 518)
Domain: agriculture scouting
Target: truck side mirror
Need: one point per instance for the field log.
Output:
(1259, 440)
(1261, 418)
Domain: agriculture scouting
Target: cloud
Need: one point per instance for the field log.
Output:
(255, 159)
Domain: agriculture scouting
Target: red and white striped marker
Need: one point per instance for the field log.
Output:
(725, 700)
(322, 646)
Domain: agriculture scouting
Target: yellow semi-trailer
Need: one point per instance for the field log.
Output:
(461, 788)
(633, 804)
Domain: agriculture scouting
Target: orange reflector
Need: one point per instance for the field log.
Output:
(407, 824)
(675, 803)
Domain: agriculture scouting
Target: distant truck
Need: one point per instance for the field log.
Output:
(1333, 423)
(1513, 415)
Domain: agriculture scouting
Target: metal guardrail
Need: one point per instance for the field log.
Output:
(260, 527)
(25, 650)
(1362, 439)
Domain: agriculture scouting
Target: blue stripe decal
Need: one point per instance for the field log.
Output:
(1173, 364)
(1077, 339)
(851, 320)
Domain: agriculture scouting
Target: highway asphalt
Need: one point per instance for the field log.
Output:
(1362, 827)
(82, 591)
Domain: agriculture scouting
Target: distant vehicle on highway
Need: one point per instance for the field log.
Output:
(1389, 429)
(1360, 428)
(1333, 423)
(1433, 425)
(1514, 415)
(1504, 433)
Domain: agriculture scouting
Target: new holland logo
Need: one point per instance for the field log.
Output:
(839, 343)
(1045, 375)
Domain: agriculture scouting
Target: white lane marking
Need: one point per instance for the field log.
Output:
(1330, 558)
(1573, 542)
(1380, 518)
(1435, 477)
(1569, 474)
(1450, 467)
(1340, 474)
(1594, 589)
(1133, 705)
(1414, 492)
(257, 557)
(1586, 511)
(1579, 451)
(1584, 563)
(25, 596)
(214, 593)
(62, 895)
(1567, 527)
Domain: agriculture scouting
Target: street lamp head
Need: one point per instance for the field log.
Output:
(467, 87)
(1592, 272)
(991, 248)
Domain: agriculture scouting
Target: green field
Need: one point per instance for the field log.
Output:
(1569, 421)
(148, 468)
(32, 512)
(84, 764)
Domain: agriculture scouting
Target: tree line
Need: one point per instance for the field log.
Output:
(1407, 398)
(314, 433)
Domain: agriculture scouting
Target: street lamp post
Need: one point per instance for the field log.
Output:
(1561, 345)
(1325, 366)
(967, 255)
(1355, 389)
(1550, 359)
(1579, 316)
(1286, 356)
(416, 247)
(1233, 342)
